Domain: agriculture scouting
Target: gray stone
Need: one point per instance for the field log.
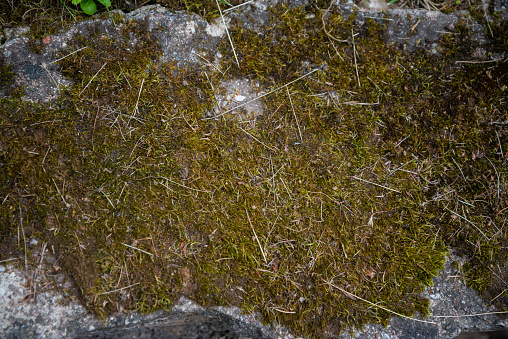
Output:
(188, 326)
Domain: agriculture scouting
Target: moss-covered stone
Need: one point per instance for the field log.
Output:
(349, 188)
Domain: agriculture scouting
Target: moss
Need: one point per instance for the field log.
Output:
(356, 184)
(8, 88)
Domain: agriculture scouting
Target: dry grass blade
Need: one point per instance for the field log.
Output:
(378, 306)
(120, 289)
(283, 311)
(208, 62)
(468, 315)
(137, 102)
(373, 183)
(92, 79)
(294, 114)
(138, 249)
(175, 183)
(65, 202)
(57, 60)
(7, 260)
(45, 67)
(109, 200)
(253, 137)
(264, 95)
(235, 7)
(324, 23)
(23, 233)
(477, 62)
(256, 236)
(469, 222)
(354, 56)
(227, 32)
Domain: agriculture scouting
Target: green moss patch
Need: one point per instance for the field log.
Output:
(349, 188)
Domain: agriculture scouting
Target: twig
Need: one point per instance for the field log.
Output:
(398, 168)
(336, 51)
(465, 203)
(227, 32)
(255, 235)
(376, 305)
(264, 95)
(92, 78)
(373, 183)
(487, 19)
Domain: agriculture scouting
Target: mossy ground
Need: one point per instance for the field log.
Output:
(346, 183)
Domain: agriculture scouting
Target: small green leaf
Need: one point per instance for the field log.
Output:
(457, 2)
(75, 2)
(88, 6)
(105, 3)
